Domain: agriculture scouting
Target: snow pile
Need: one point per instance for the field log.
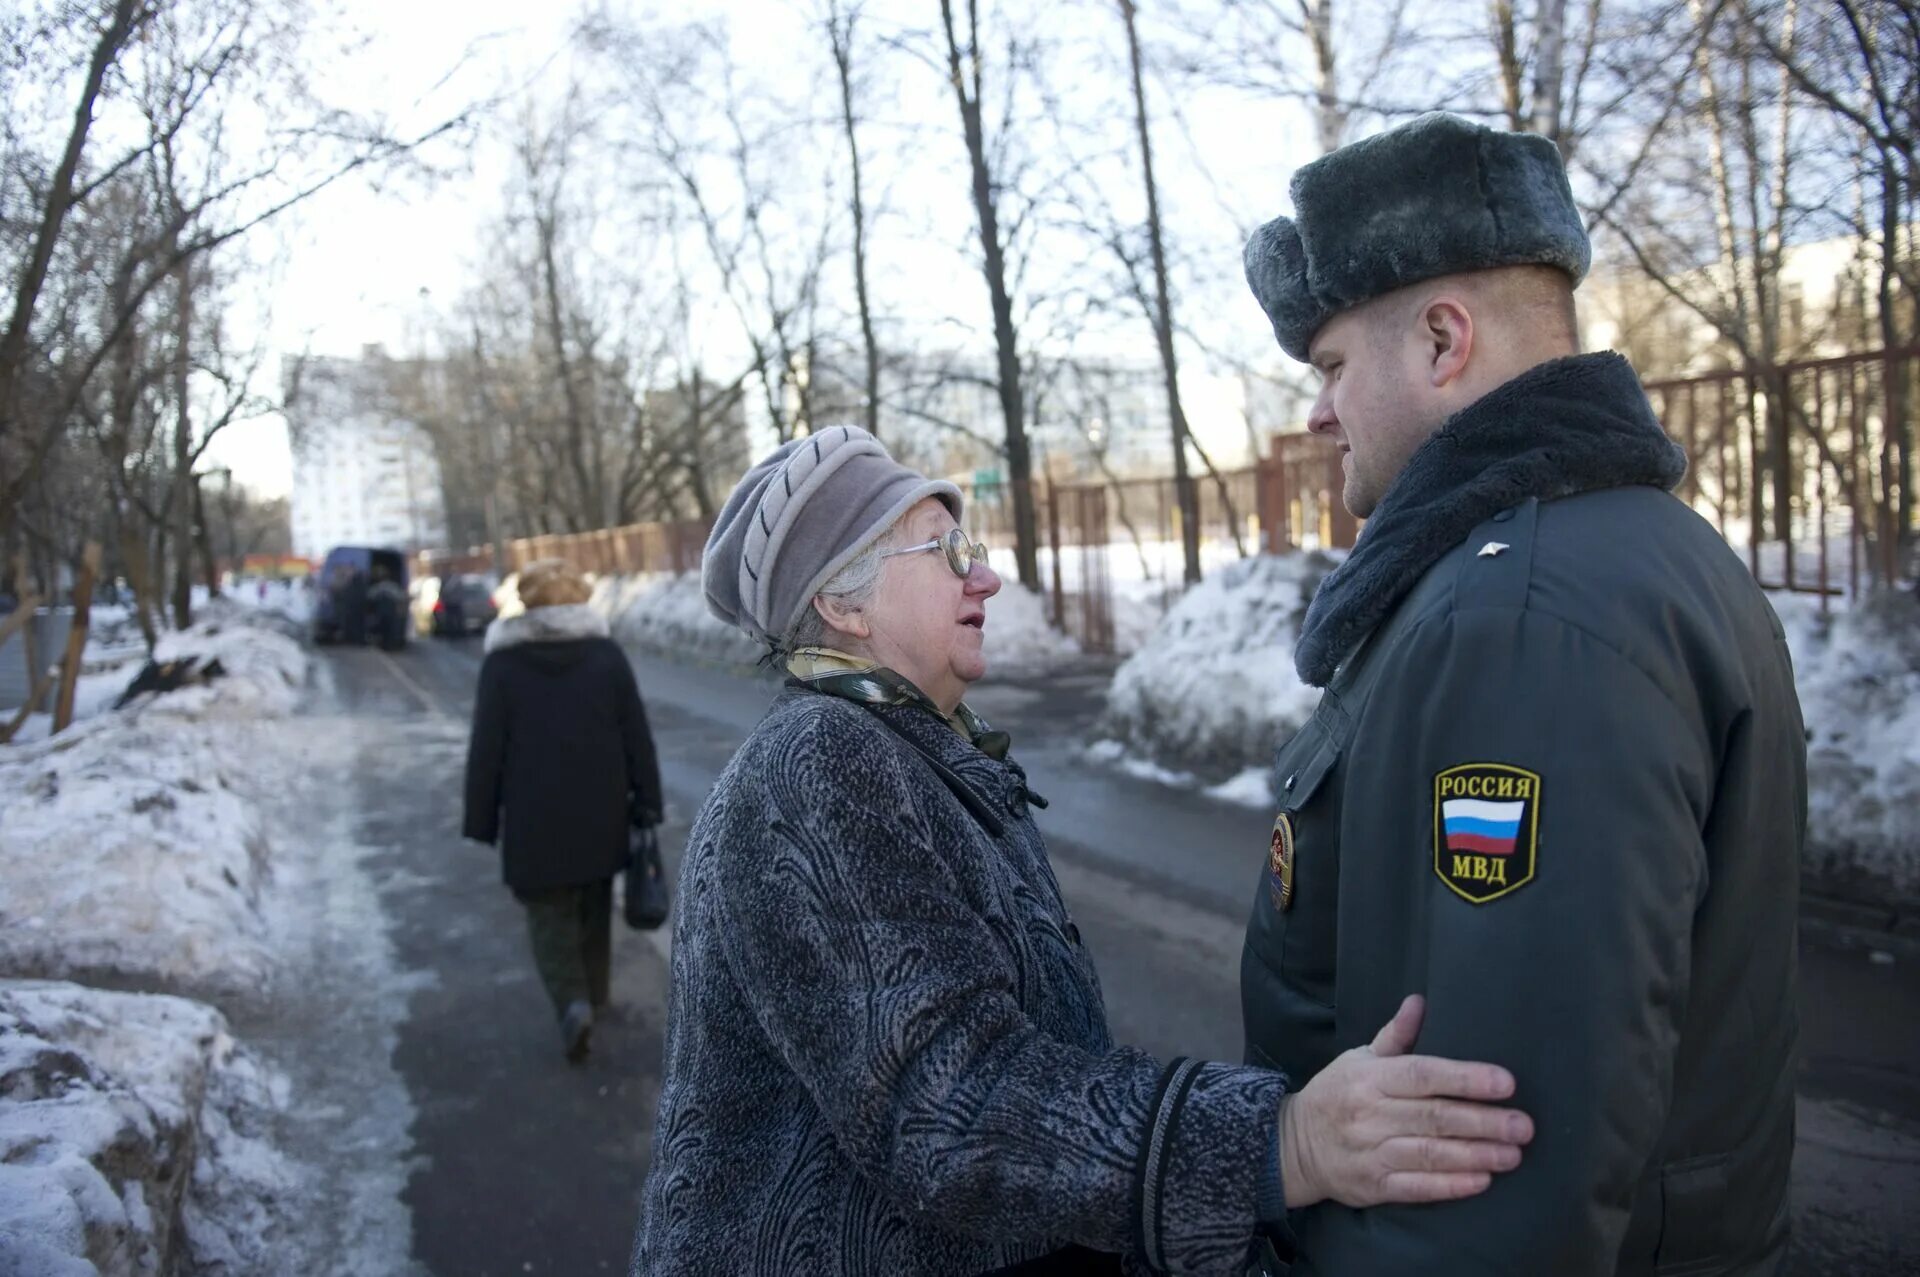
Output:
(135, 850)
(265, 669)
(131, 856)
(668, 613)
(1213, 691)
(264, 663)
(1018, 640)
(291, 601)
(120, 1119)
(1858, 673)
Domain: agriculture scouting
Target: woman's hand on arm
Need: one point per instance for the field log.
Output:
(1380, 1125)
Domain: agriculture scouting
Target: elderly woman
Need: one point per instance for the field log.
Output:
(887, 1051)
(560, 746)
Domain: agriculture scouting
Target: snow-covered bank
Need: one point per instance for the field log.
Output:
(1859, 677)
(122, 1134)
(1212, 692)
(668, 613)
(664, 612)
(137, 853)
(134, 850)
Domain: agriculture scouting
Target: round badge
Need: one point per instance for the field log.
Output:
(1280, 862)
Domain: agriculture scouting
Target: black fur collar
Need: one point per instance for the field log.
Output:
(1571, 425)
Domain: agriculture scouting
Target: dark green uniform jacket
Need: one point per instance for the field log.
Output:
(1557, 783)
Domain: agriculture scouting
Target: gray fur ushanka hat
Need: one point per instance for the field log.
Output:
(804, 512)
(1437, 196)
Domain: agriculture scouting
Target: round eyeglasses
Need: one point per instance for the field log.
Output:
(962, 552)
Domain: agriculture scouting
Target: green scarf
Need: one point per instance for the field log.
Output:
(870, 683)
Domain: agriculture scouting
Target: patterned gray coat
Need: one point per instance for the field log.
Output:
(887, 1051)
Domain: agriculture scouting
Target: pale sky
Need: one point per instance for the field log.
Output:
(356, 260)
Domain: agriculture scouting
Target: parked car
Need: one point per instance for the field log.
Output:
(454, 605)
(362, 597)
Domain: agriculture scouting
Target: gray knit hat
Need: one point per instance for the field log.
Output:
(1436, 196)
(804, 512)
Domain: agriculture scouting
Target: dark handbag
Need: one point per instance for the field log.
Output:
(647, 902)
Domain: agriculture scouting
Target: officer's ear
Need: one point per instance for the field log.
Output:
(1446, 328)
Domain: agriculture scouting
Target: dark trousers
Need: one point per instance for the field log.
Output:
(572, 933)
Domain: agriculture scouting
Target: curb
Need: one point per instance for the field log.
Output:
(1892, 926)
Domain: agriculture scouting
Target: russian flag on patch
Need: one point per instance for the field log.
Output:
(1474, 824)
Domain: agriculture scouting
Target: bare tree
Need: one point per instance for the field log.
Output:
(1161, 311)
(1857, 63)
(966, 69)
(138, 221)
(841, 23)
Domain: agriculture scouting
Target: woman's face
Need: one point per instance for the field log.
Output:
(925, 622)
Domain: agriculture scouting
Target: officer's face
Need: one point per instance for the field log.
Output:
(1375, 400)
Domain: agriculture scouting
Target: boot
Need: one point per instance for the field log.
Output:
(576, 1026)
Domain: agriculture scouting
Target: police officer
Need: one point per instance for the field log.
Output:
(1557, 778)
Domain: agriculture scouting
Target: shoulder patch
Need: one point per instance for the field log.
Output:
(1486, 829)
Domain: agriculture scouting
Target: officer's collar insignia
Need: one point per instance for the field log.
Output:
(1494, 549)
(1280, 863)
(1486, 829)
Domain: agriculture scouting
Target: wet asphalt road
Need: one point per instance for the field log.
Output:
(525, 1164)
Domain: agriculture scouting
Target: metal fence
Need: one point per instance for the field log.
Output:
(1798, 464)
(1836, 464)
(50, 626)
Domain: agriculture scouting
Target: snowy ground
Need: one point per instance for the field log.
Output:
(123, 1117)
(182, 846)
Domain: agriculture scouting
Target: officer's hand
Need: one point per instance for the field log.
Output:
(1379, 1125)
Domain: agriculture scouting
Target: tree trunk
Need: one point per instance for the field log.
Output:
(697, 452)
(1329, 116)
(133, 553)
(1012, 403)
(843, 62)
(1897, 459)
(1506, 50)
(548, 229)
(1549, 60)
(76, 636)
(1763, 265)
(203, 541)
(1185, 496)
(59, 202)
(1731, 259)
(183, 456)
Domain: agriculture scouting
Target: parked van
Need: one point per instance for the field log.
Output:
(362, 597)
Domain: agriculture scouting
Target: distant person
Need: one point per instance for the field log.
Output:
(350, 606)
(1557, 780)
(887, 1051)
(386, 608)
(560, 766)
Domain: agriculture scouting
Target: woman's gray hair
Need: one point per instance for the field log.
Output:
(852, 587)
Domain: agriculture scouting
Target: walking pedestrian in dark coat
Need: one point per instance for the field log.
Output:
(1557, 781)
(887, 1051)
(559, 769)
